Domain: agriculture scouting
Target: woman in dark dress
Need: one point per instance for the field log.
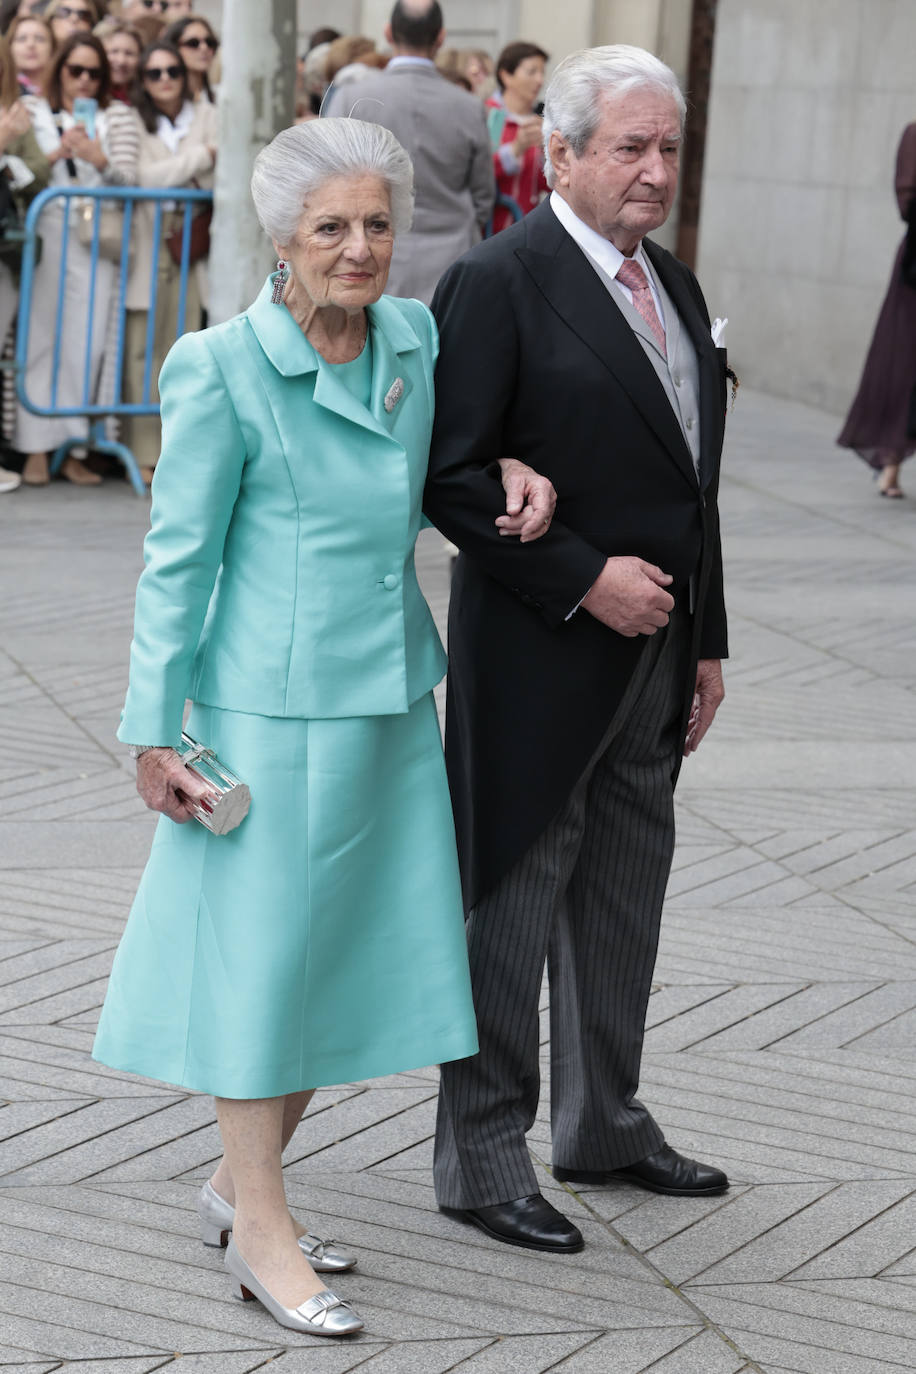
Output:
(876, 426)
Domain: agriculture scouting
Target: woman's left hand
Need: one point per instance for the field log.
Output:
(530, 501)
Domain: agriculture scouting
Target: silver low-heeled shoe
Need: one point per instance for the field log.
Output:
(324, 1314)
(216, 1219)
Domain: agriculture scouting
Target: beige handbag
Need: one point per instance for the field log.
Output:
(111, 226)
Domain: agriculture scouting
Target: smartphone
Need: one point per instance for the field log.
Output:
(84, 108)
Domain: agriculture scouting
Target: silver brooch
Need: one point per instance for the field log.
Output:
(394, 394)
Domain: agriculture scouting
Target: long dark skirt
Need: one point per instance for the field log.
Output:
(877, 423)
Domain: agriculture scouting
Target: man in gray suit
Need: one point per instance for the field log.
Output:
(582, 667)
(444, 130)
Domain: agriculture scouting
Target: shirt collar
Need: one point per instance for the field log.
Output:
(593, 245)
(171, 132)
(408, 61)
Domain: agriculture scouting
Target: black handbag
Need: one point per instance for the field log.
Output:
(12, 234)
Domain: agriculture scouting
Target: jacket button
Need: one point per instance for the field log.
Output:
(390, 582)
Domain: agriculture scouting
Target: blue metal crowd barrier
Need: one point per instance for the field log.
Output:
(94, 410)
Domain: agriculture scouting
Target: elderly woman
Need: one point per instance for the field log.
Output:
(321, 941)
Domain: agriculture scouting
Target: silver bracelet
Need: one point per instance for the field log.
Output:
(135, 750)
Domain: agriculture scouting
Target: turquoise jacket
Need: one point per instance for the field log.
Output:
(279, 574)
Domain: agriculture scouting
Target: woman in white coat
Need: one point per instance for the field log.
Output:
(178, 148)
(84, 157)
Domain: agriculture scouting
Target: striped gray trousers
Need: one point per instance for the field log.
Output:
(587, 898)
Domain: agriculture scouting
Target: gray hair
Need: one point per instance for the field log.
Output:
(300, 159)
(572, 102)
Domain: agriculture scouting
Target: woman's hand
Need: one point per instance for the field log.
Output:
(14, 122)
(77, 143)
(529, 135)
(530, 501)
(167, 786)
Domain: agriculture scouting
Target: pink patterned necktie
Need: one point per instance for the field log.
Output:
(631, 275)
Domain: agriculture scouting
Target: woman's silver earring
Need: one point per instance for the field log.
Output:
(280, 280)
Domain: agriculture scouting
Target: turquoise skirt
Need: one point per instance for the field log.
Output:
(323, 940)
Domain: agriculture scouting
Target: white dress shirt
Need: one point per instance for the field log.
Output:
(603, 253)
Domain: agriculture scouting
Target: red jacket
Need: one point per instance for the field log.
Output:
(527, 186)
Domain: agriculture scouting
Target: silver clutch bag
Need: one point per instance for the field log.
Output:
(231, 805)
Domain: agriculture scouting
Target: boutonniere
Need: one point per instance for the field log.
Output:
(718, 337)
(732, 376)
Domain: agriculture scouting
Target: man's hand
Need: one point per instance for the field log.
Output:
(167, 786)
(629, 596)
(530, 501)
(709, 693)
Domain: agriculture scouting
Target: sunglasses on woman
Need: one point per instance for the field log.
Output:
(65, 12)
(160, 5)
(211, 43)
(76, 71)
(157, 73)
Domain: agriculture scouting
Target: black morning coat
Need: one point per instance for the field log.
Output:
(538, 363)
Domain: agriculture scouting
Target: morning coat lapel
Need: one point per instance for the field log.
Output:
(568, 281)
(292, 355)
(711, 418)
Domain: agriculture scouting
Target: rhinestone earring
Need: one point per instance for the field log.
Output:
(280, 280)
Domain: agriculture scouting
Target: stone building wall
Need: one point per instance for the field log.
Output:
(799, 224)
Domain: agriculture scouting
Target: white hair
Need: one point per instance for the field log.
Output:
(300, 159)
(572, 105)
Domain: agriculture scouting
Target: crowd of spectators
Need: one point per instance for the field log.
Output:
(95, 94)
(333, 58)
(147, 73)
(477, 151)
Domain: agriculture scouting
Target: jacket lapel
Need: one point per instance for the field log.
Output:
(569, 282)
(392, 337)
(292, 355)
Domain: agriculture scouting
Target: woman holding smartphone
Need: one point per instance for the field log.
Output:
(86, 146)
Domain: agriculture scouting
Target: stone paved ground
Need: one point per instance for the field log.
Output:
(781, 1034)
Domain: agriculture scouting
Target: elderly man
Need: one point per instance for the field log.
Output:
(444, 130)
(582, 666)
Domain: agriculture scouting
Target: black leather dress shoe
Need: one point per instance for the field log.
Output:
(527, 1221)
(663, 1172)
